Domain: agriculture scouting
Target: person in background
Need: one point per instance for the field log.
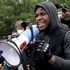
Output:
(62, 17)
(20, 27)
(60, 22)
(14, 32)
(65, 20)
(51, 48)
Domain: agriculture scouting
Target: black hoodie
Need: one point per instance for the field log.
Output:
(52, 13)
(57, 34)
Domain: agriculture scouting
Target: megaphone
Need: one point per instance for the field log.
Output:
(10, 53)
(10, 49)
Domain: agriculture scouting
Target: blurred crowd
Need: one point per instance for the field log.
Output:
(47, 30)
(63, 15)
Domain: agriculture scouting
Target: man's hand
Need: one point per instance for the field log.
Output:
(46, 51)
(44, 48)
(1, 67)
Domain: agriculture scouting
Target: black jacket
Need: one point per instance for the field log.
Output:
(58, 39)
(59, 44)
(58, 48)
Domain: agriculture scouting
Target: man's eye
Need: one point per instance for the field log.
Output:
(36, 16)
(43, 14)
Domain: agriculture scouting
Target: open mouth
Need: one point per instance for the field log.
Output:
(41, 24)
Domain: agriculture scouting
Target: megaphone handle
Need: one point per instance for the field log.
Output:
(24, 64)
(1, 59)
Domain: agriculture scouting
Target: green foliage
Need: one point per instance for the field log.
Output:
(13, 10)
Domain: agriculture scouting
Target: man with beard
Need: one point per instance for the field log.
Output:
(51, 48)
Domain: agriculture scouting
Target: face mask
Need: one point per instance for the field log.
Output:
(20, 31)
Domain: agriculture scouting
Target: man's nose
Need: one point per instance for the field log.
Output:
(39, 17)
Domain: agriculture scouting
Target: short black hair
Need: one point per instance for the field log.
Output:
(58, 6)
(24, 24)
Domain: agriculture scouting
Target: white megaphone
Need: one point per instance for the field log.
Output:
(10, 50)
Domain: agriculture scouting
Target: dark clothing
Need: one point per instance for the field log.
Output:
(63, 25)
(66, 21)
(58, 39)
(57, 46)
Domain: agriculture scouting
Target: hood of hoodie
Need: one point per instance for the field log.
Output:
(52, 13)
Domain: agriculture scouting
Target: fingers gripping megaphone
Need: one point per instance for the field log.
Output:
(10, 49)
